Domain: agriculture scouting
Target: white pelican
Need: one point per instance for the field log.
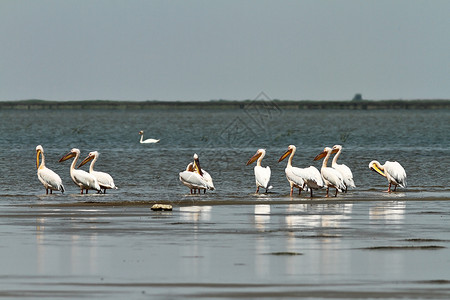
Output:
(192, 179)
(147, 141)
(392, 170)
(301, 177)
(196, 178)
(104, 179)
(81, 178)
(331, 177)
(262, 175)
(49, 179)
(343, 169)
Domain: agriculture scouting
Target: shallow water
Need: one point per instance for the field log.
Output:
(229, 243)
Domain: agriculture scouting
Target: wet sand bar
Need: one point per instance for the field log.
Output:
(225, 104)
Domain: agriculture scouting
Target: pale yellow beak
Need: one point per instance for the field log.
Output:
(37, 158)
(377, 170)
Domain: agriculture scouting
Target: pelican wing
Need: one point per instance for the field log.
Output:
(193, 180)
(346, 173)
(262, 176)
(50, 179)
(396, 173)
(85, 180)
(332, 177)
(104, 180)
(294, 175)
(312, 177)
(208, 180)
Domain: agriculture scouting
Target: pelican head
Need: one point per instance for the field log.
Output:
(291, 148)
(90, 157)
(197, 164)
(258, 154)
(324, 153)
(39, 150)
(141, 132)
(377, 167)
(336, 149)
(190, 167)
(74, 152)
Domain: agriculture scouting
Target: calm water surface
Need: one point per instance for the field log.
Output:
(229, 243)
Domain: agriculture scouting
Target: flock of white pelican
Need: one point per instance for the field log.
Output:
(338, 176)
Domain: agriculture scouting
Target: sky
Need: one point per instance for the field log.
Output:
(182, 50)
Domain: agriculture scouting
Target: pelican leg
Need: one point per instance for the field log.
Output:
(395, 187)
(204, 191)
(389, 188)
(299, 190)
(257, 190)
(51, 191)
(82, 191)
(104, 191)
(311, 192)
(328, 188)
(292, 190)
(87, 191)
(335, 195)
(46, 191)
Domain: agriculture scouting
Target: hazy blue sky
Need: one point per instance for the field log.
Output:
(202, 50)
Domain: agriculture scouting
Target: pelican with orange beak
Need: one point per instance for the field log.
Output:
(262, 174)
(81, 178)
(331, 177)
(104, 179)
(345, 171)
(392, 170)
(301, 177)
(50, 180)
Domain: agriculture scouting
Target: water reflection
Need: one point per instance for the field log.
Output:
(317, 215)
(195, 213)
(390, 212)
(79, 253)
(262, 216)
(262, 246)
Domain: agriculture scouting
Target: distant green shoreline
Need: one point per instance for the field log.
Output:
(35, 104)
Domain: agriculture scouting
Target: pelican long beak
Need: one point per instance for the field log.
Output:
(197, 167)
(67, 156)
(334, 151)
(321, 155)
(88, 158)
(375, 168)
(286, 154)
(37, 158)
(254, 158)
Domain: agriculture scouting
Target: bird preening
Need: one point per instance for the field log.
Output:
(393, 171)
(196, 178)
